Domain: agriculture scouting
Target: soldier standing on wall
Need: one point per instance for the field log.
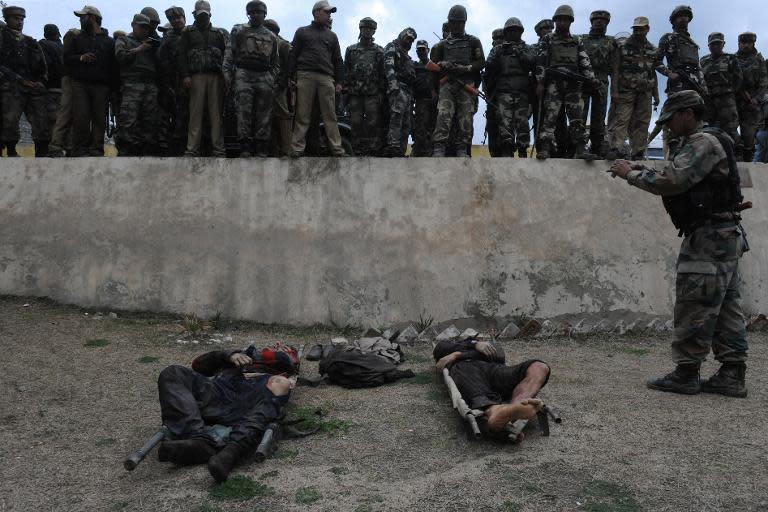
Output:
(22, 83)
(425, 99)
(53, 50)
(364, 65)
(251, 65)
(722, 74)
(461, 59)
(508, 77)
(542, 28)
(601, 50)
(563, 66)
(400, 74)
(282, 109)
(753, 92)
(702, 195)
(491, 113)
(176, 96)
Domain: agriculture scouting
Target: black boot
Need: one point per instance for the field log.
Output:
(583, 154)
(542, 153)
(41, 149)
(684, 380)
(186, 452)
(729, 381)
(461, 151)
(439, 150)
(522, 152)
(221, 464)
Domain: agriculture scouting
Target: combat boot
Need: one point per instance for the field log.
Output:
(41, 149)
(439, 150)
(461, 151)
(542, 153)
(685, 380)
(729, 381)
(522, 152)
(186, 452)
(583, 154)
(222, 464)
(612, 154)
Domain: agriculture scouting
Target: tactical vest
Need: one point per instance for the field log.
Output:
(717, 74)
(143, 67)
(205, 55)
(513, 76)
(683, 52)
(458, 50)
(599, 50)
(363, 76)
(637, 65)
(714, 194)
(564, 53)
(254, 47)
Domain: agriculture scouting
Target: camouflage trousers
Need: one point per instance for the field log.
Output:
(282, 124)
(560, 93)
(512, 117)
(454, 101)
(750, 119)
(492, 130)
(708, 310)
(138, 119)
(16, 100)
(52, 102)
(400, 113)
(254, 96)
(631, 114)
(365, 119)
(425, 111)
(724, 114)
(595, 107)
(178, 122)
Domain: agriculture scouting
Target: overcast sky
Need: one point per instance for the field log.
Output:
(426, 16)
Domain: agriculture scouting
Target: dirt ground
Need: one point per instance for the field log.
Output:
(78, 393)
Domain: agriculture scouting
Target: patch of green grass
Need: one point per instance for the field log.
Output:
(365, 507)
(532, 488)
(285, 454)
(510, 506)
(336, 470)
(96, 343)
(107, 441)
(119, 505)
(269, 474)
(148, 359)
(239, 488)
(307, 495)
(421, 378)
(604, 496)
(437, 393)
(313, 418)
(415, 357)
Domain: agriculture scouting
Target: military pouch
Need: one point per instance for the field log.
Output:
(696, 282)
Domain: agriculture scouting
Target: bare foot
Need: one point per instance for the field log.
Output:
(500, 415)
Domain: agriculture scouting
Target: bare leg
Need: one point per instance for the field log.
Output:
(522, 406)
(529, 387)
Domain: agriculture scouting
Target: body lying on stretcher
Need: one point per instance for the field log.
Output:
(490, 395)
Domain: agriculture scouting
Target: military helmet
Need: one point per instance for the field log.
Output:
(408, 32)
(175, 11)
(368, 23)
(681, 9)
(680, 101)
(457, 13)
(543, 24)
(13, 10)
(514, 23)
(141, 19)
(564, 11)
(272, 26)
(747, 37)
(256, 5)
(597, 15)
(716, 37)
(150, 13)
(497, 33)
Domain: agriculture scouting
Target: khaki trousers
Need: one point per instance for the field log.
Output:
(62, 129)
(207, 93)
(308, 85)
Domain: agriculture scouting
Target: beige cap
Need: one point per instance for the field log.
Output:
(641, 21)
(88, 9)
(202, 6)
(323, 5)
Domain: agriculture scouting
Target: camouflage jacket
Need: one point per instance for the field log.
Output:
(253, 49)
(364, 70)
(202, 49)
(509, 68)
(548, 43)
(680, 51)
(697, 155)
(440, 53)
(722, 74)
(398, 67)
(135, 67)
(635, 66)
(601, 50)
(755, 74)
(22, 55)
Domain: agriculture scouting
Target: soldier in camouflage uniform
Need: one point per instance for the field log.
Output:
(542, 28)
(139, 110)
(508, 77)
(681, 53)
(754, 90)
(22, 82)
(364, 65)
(177, 97)
(425, 100)
(491, 113)
(282, 110)
(722, 74)
(400, 75)
(633, 88)
(251, 65)
(54, 62)
(461, 60)
(562, 53)
(601, 50)
(701, 193)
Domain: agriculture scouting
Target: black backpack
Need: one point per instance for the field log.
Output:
(353, 369)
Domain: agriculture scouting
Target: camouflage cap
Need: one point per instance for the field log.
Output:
(368, 22)
(421, 43)
(716, 37)
(680, 101)
(13, 10)
(141, 19)
(408, 32)
(175, 11)
(544, 24)
(600, 15)
(324, 6)
(152, 14)
(641, 21)
(88, 9)
(747, 37)
(202, 6)
(272, 25)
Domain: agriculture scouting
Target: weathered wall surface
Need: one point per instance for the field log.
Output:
(361, 241)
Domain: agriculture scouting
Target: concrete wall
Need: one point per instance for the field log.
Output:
(360, 241)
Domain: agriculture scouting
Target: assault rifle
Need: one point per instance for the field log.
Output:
(687, 80)
(567, 74)
(470, 88)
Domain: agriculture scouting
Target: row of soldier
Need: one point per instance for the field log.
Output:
(168, 93)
